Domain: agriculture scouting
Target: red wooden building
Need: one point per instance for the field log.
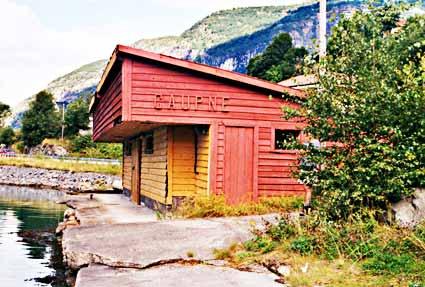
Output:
(192, 129)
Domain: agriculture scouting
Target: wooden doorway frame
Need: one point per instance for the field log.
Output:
(136, 162)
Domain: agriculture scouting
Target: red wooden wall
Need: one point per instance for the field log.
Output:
(109, 107)
(159, 93)
(151, 80)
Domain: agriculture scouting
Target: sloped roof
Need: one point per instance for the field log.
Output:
(301, 81)
(121, 50)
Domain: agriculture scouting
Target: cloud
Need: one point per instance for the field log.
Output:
(31, 54)
(35, 52)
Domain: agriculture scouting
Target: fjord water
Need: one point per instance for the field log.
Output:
(29, 253)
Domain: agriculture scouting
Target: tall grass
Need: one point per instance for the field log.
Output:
(57, 164)
(216, 206)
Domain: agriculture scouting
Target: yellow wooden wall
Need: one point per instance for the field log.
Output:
(201, 178)
(126, 172)
(154, 167)
(181, 176)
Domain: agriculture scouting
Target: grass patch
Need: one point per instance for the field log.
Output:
(49, 163)
(359, 252)
(216, 206)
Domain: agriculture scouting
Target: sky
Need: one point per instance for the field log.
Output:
(41, 40)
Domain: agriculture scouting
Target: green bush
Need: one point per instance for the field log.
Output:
(260, 244)
(83, 146)
(303, 244)
(368, 109)
(80, 143)
(7, 136)
(383, 263)
(381, 249)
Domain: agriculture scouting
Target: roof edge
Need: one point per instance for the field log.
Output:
(202, 68)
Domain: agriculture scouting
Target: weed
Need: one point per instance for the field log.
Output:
(303, 244)
(260, 244)
(221, 254)
(216, 206)
(190, 254)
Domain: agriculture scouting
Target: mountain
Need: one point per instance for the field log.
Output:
(226, 39)
(69, 87)
(217, 28)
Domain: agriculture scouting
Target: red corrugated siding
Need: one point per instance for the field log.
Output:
(109, 107)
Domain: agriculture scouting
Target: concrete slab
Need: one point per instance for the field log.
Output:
(100, 209)
(173, 275)
(142, 244)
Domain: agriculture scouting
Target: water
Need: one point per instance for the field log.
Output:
(29, 252)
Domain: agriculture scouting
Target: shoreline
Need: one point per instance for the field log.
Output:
(66, 181)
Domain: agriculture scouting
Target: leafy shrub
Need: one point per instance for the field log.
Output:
(371, 85)
(7, 136)
(80, 143)
(260, 244)
(304, 244)
(382, 263)
(283, 230)
(84, 146)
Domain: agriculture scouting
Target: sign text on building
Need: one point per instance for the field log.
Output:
(195, 103)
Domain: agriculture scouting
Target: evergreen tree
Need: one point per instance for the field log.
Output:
(7, 136)
(4, 112)
(279, 61)
(77, 117)
(41, 120)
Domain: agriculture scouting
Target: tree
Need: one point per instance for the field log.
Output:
(4, 112)
(41, 120)
(370, 109)
(7, 136)
(279, 61)
(77, 117)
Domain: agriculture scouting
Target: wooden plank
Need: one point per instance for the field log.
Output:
(255, 179)
(127, 68)
(287, 187)
(170, 169)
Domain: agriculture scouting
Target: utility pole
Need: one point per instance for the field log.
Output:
(322, 29)
(63, 104)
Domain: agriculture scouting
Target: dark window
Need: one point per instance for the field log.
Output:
(127, 149)
(149, 144)
(286, 139)
(118, 121)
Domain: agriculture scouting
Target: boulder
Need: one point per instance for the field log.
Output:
(410, 211)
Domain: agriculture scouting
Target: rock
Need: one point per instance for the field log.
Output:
(404, 213)
(55, 179)
(61, 227)
(69, 212)
(410, 211)
(117, 184)
(49, 150)
(284, 270)
(71, 223)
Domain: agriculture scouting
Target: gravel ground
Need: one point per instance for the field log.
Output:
(56, 179)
